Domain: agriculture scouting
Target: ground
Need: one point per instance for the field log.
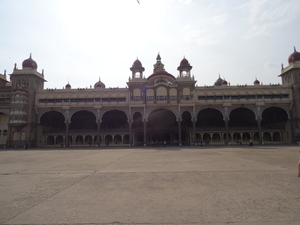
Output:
(207, 185)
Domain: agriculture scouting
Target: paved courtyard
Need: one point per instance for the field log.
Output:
(172, 185)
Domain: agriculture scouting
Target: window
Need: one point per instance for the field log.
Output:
(150, 98)
(136, 98)
(161, 98)
(173, 98)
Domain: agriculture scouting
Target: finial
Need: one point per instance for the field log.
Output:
(294, 48)
(15, 66)
(281, 66)
(158, 56)
(30, 55)
(219, 75)
(42, 71)
(4, 72)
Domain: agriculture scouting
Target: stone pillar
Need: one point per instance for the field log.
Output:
(98, 133)
(226, 130)
(130, 132)
(259, 130)
(194, 131)
(67, 133)
(179, 131)
(145, 134)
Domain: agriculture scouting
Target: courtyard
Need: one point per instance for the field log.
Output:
(206, 185)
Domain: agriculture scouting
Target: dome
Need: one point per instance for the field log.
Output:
(29, 63)
(256, 82)
(99, 84)
(219, 81)
(68, 86)
(184, 65)
(184, 62)
(159, 73)
(295, 56)
(224, 82)
(137, 63)
(137, 66)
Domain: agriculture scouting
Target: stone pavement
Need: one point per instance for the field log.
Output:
(174, 185)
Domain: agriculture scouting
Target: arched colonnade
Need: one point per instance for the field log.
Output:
(188, 125)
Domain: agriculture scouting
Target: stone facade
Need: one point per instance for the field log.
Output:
(149, 111)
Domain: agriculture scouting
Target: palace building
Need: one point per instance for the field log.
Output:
(149, 110)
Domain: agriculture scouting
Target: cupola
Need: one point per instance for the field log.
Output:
(256, 82)
(137, 69)
(99, 85)
(294, 57)
(184, 68)
(224, 83)
(29, 63)
(219, 81)
(68, 86)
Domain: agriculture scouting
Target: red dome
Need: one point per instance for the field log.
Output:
(99, 84)
(29, 63)
(184, 62)
(137, 63)
(68, 86)
(295, 56)
(256, 82)
(158, 73)
(224, 82)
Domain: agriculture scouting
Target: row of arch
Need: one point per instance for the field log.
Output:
(162, 124)
(257, 113)
(201, 138)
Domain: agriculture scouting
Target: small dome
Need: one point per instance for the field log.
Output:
(219, 81)
(137, 63)
(224, 82)
(295, 56)
(29, 63)
(68, 86)
(184, 62)
(256, 82)
(137, 66)
(99, 84)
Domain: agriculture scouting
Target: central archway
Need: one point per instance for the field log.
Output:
(162, 126)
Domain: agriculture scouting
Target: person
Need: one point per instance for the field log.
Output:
(26, 145)
(165, 143)
(250, 143)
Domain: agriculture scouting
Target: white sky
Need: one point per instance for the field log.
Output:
(78, 41)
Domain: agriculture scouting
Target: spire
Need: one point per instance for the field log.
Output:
(158, 66)
(294, 49)
(158, 57)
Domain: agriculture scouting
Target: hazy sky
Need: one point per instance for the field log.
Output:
(78, 41)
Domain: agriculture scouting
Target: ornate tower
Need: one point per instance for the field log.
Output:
(290, 76)
(22, 117)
